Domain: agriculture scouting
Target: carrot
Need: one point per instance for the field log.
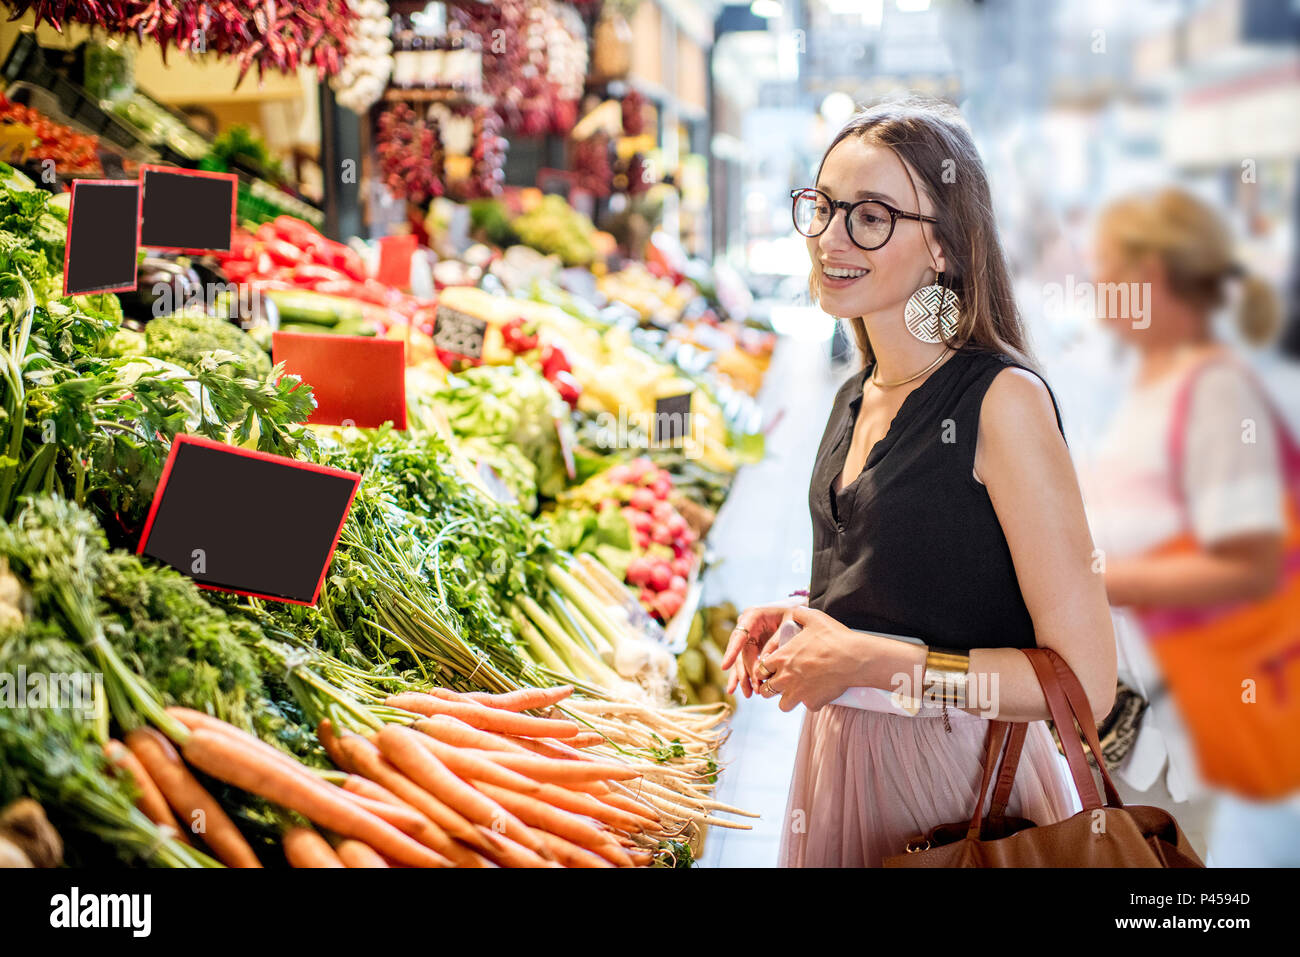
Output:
(364, 787)
(331, 742)
(551, 749)
(468, 763)
(151, 800)
(403, 817)
(456, 732)
(525, 699)
(570, 854)
(484, 718)
(402, 746)
(570, 747)
(588, 806)
(562, 772)
(227, 759)
(303, 847)
(353, 853)
(544, 816)
(187, 797)
(510, 854)
(366, 758)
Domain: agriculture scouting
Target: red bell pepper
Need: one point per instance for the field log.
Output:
(568, 387)
(294, 230)
(238, 270)
(241, 246)
(282, 253)
(339, 256)
(341, 286)
(316, 273)
(262, 263)
(553, 361)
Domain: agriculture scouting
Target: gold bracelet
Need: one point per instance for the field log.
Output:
(947, 673)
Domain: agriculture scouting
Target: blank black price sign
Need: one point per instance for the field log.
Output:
(247, 522)
(672, 419)
(101, 243)
(187, 210)
(459, 332)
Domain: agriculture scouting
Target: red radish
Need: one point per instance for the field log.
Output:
(677, 584)
(662, 488)
(644, 500)
(662, 511)
(662, 535)
(660, 577)
(638, 571)
(681, 566)
(668, 604)
(619, 475)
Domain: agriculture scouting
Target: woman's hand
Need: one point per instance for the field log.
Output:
(755, 629)
(817, 665)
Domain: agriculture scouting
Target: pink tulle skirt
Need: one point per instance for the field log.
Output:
(866, 781)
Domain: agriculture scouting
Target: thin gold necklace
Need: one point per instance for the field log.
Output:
(889, 385)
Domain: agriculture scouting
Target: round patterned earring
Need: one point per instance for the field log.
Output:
(933, 312)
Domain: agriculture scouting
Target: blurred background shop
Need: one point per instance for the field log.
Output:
(1071, 104)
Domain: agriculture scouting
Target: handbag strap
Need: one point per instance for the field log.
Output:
(1068, 704)
(1007, 776)
(1001, 734)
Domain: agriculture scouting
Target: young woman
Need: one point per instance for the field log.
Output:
(1178, 248)
(945, 510)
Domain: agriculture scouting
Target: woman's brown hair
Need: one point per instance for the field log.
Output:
(932, 139)
(1196, 248)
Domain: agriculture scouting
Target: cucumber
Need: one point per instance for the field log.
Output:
(344, 328)
(301, 305)
(352, 327)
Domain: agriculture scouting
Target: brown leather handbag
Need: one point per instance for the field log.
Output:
(1109, 835)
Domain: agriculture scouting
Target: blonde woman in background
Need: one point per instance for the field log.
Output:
(1182, 254)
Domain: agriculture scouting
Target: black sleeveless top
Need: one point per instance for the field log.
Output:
(913, 546)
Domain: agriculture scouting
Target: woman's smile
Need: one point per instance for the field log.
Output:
(839, 276)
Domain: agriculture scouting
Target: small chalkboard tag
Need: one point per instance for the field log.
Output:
(248, 522)
(186, 210)
(103, 225)
(356, 380)
(459, 332)
(672, 419)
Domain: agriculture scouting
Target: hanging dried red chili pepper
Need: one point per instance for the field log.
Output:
(253, 32)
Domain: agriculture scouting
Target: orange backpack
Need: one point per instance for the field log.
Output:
(1234, 669)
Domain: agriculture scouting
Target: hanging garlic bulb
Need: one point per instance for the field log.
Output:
(369, 65)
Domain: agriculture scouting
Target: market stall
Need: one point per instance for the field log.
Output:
(499, 658)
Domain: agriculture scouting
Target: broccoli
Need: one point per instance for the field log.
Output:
(185, 339)
(126, 342)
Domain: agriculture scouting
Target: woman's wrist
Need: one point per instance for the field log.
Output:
(884, 662)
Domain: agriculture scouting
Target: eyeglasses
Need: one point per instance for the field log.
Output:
(870, 223)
